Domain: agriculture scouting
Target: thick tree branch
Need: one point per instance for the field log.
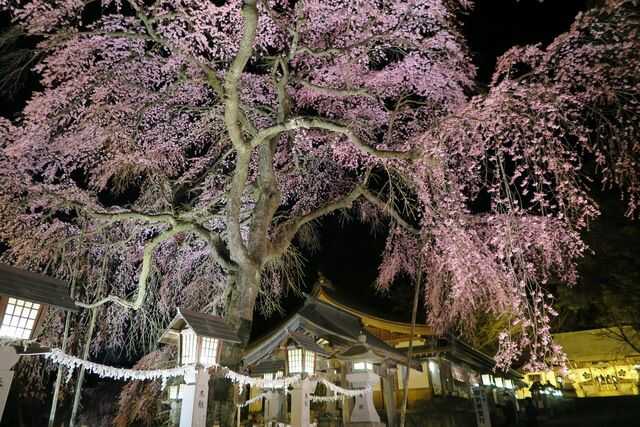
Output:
(233, 117)
(287, 231)
(232, 77)
(335, 92)
(388, 209)
(218, 246)
(237, 246)
(147, 259)
(165, 218)
(318, 123)
(320, 53)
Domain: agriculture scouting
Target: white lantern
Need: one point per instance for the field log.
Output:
(487, 379)
(362, 366)
(193, 348)
(270, 376)
(24, 297)
(198, 336)
(300, 361)
(19, 318)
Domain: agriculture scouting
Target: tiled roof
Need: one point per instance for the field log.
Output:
(34, 287)
(205, 325)
(268, 367)
(307, 343)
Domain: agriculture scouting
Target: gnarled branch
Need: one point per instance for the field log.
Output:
(232, 77)
(218, 246)
(147, 259)
(319, 123)
(388, 209)
(287, 231)
(335, 92)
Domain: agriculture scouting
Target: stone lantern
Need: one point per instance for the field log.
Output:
(199, 338)
(362, 375)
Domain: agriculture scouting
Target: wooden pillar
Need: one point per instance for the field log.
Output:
(389, 394)
(8, 359)
(346, 403)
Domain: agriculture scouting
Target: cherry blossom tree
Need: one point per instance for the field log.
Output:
(181, 152)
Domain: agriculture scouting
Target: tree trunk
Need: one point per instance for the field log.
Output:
(405, 381)
(239, 315)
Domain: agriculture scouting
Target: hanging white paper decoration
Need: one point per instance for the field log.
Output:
(123, 374)
(315, 398)
(104, 371)
(339, 390)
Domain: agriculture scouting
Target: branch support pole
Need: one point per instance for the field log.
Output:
(85, 356)
(56, 390)
(405, 380)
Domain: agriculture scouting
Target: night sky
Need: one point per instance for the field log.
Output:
(350, 253)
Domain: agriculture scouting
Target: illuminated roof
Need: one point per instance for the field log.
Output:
(598, 344)
(322, 294)
(322, 320)
(202, 324)
(33, 287)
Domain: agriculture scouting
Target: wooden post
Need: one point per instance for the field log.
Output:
(85, 356)
(389, 395)
(65, 338)
(405, 392)
(56, 390)
(346, 403)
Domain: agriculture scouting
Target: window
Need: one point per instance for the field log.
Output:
(295, 360)
(309, 362)
(498, 381)
(301, 361)
(188, 347)
(19, 318)
(270, 376)
(209, 351)
(487, 379)
(175, 392)
(363, 366)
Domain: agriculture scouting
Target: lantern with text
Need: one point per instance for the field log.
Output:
(301, 354)
(199, 338)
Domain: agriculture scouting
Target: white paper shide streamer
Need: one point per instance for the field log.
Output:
(123, 374)
(260, 382)
(346, 392)
(315, 398)
(253, 399)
